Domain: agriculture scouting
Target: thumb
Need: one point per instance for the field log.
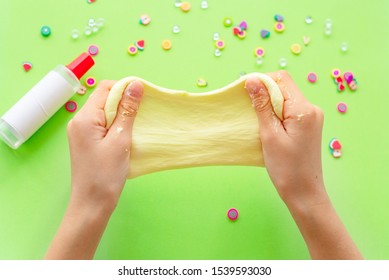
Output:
(126, 113)
(261, 103)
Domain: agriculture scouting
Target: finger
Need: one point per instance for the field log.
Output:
(295, 102)
(98, 98)
(260, 99)
(126, 113)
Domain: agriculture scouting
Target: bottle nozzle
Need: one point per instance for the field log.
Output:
(81, 65)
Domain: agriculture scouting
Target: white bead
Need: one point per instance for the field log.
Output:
(308, 20)
(176, 29)
(259, 60)
(218, 52)
(282, 62)
(91, 22)
(87, 30)
(328, 22)
(328, 31)
(75, 34)
(177, 3)
(100, 22)
(216, 36)
(204, 4)
(344, 47)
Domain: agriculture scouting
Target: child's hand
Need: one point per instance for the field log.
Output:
(100, 157)
(292, 147)
(292, 154)
(100, 161)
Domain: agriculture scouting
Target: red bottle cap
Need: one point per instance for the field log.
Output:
(81, 65)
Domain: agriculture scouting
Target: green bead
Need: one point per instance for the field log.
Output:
(227, 22)
(45, 31)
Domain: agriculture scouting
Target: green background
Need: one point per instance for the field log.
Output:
(181, 214)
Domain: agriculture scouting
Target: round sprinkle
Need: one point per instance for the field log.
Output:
(90, 81)
(81, 90)
(45, 31)
(242, 34)
(279, 27)
(312, 77)
(185, 7)
(27, 66)
(337, 153)
(166, 45)
(283, 62)
(342, 107)
(144, 19)
(227, 22)
(335, 73)
(132, 50)
(201, 82)
(296, 49)
(220, 44)
(259, 52)
(232, 214)
(71, 106)
(93, 50)
(176, 29)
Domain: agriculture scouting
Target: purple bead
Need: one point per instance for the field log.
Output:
(243, 25)
(349, 77)
(279, 18)
(265, 33)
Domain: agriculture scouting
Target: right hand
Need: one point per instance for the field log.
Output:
(292, 146)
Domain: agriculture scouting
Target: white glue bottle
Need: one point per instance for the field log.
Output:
(42, 101)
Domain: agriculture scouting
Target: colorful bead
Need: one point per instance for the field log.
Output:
(90, 82)
(93, 50)
(227, 22)
(243, 25)
(45, 31)
(348, 77)
(279, 27)
(144, 19)
(242, 34)
(259, 52)
(335, 73)
(185, 7)
(265, 33)
(220, 44)
(236, 30)
(232, 214)
(166, 45)
(132, 50)
(27, 66)
(201, 82)
(296, 49)
(312, 77)
(342, 107)
(71, 106)
(81, 90)
(335, 148)
(140, 45)
(278, 18)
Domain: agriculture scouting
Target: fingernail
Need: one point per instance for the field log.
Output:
(133, 90)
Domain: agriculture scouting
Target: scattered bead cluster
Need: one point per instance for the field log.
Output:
(352, 83)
